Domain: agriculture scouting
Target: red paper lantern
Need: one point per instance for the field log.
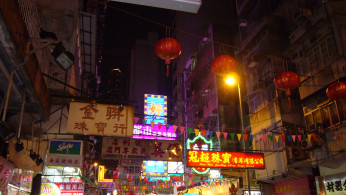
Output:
(223, 65)
(129, 179)
(167, 49)
(287, 81)
(337, 91)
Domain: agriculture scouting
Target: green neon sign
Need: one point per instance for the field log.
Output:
(210, 144)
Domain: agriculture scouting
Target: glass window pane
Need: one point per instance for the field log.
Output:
(325, 117)
(309, 122)
(317, 117)
(334, 114)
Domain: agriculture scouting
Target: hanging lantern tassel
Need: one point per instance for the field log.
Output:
(288, 94)
(167, 73)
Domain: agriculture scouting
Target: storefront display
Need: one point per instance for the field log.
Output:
(62, 188)
(21, 181)
(6, 172)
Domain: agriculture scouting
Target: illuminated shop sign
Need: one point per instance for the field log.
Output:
(199, 143)
(335, 184)
(148, 132)
(155, 108)
(225, 159)
(101, 174)
(62, 188)
(175, 167)
(154, 168)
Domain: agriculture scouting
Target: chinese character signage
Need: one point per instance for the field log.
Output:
(100, 119)
(6, 172)
(199, 143)
(67, 153)
(154, 168)
(304, 185)
(62, 188)
(176, 167)
(225, 159)
(137, 149)
(155, 108)
(148, 132)
(335, 184)
(22, 178)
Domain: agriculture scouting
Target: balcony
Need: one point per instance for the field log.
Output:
(252, 30)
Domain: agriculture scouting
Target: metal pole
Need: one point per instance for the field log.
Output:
(242, 132)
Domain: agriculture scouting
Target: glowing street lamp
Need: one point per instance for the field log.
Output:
(233, 79)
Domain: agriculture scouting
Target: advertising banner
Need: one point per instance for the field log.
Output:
(136, 149)
(154, 168)
(100, 119)
(67, 153)
(62, 188)
(154, 132)
(303, 185)
(6, 172)
(216, 159)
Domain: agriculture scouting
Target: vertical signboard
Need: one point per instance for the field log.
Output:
(155, 108)
(6, 172)
(100, 119)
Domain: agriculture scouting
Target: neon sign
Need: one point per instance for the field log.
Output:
(199, 143)
(155, 108)
(155, 168)
(218, 159)
(148, 132)
(101, 175)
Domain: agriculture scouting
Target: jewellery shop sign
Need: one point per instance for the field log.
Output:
(100, 119)
(67, 153)
(136, 149)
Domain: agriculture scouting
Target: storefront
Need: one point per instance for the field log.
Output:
(20, 183)
(62, 172)
(302, 186)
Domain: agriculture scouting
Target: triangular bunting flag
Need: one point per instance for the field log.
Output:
(196, 132)
(314, 136)
(239, 136)
(289, 138)
(86, 165)
(189, 130)
(135, 120)
(251, 137)
(232, 136)
(218, 134)
(294, 138)
(160, 125)
(182, 129)
(309, 137)
(144, 121)
(270, 137)
(203, 132)
(167, 127)
(300, 138)
(245, 136)
(152, 124)
(211, 133)
(304, 137)
(225, 135)
(114, 172)
(258, 137)
(206, 133)
(277, 138)
(175, 128)
(264, 137)
(283, 138)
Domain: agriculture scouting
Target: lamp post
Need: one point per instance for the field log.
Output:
(231, 80)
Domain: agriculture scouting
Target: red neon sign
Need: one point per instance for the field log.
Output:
(197, 158)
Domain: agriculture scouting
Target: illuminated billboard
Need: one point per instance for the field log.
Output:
(215, 159)
(155, 108)
(154, 168)
(148, 132)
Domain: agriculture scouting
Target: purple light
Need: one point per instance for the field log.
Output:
(146, 132)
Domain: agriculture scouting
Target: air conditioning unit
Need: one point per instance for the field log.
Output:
(295, 154)
(298, 57)
(307, 145)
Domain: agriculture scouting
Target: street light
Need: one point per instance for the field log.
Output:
(231, 80)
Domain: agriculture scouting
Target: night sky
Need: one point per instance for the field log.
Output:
(122, 28)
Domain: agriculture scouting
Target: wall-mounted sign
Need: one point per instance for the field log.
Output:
(335, 184)
(154, 168)
(100, 119)
(101, 174)
(6, 172)
(304, 185)
(148, 132)
(176, 167)
(199, 143)
(155, 108)
(62, 188)
(67, 153)
(225, 159)
(136, 149)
